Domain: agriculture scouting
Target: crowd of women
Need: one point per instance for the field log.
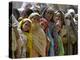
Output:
(40, 31)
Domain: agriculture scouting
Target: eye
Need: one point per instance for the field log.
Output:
(64, 35)
(26, 24)
(66, 17)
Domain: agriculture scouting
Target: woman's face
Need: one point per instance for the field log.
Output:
(57, 21)
(56, 18)
(36, 19)
(43, 23)
(48, 15)
(58, 25)
(26, 26)
(67, 21)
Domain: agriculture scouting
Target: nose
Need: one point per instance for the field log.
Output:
(58, 22)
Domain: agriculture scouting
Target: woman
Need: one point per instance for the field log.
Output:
(60, 43)
(71, 35)
(38, 36)
(25, 14)
(26, 36)
(15, 41)
(44, 25)
(48, 15)
(59, 22)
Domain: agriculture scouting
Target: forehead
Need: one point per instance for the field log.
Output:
(26, 22)
(57, 14)
(50, 11)
(35, 17)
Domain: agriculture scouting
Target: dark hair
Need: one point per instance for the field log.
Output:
(62, 16)
(26, 13)
(16, 13)
(48, 9)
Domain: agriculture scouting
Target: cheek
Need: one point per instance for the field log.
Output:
(46, 25)
(58, 28)
(64, 38)
(25, 28)
(28, 27)
(56, 18)
(48, 16)
(43, 26)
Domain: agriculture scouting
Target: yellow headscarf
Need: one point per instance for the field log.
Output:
(38, 35)
(29, 36)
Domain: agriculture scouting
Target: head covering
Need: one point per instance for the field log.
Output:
(33, 15)
(28, 35)
(24, 6)
(23, 21)
(60, 13)
(50, 9)
(71, 11)
(67, 15)
(60, 46)
(68, 18)
(39, 38)
(35, 7)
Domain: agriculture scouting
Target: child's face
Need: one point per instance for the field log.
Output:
(26, 26)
